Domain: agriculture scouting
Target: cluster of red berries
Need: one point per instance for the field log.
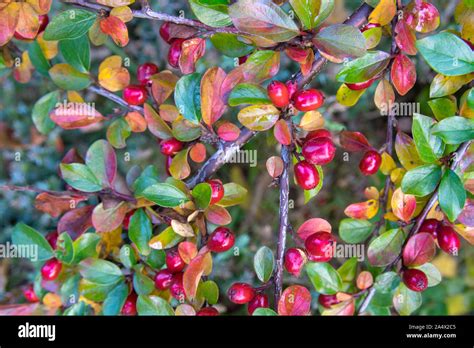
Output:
(174, 52)
(318, 149)
(43, 22)
(282, 95)
(51, 268)
(138, 94)
(243, 293)
(448, 241)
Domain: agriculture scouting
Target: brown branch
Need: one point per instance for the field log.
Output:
(115, 98)
(459, 154)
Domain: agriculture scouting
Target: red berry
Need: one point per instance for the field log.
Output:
(170, 147)
(169, 160)
(130, 305)
(370, 162)
(126, 219)
(306, 175)
(207, 312)
(174, 53)
(222, 239)
(165, 32)
(51, 269)
(327, 300)
(320, 246)
(163, 279)
(448, 240)
(278, 94)
(177, 288)
(319, 151)
(243, 59)
(369, 26)
(174, 262)
(360, 85)
(320, 133)
(145, 72)
(258, 301)
(415, 279)
(135, 94)
(30, 295)
(430, 226)
(308, 100)
(241, 293)
(292, 87)
(294, 261)
(217, 190)
(43, 21)
(52, 239)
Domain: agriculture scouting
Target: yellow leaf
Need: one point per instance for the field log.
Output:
(52, 300)
(110, 241)
(388, 164)
(372, 193)
(347, 97)
(406, 151)
(396, 175)
(74, 97)
(49, 48)
(446, 264)
(122, 12)
(363, 210)
(403, 205)
(112, 76)
(383, 12)
(312, 120)
(259, 117)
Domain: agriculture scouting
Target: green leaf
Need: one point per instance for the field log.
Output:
(429, 146)
(385, 248)
(348, 270)
(233, 194)
(470, 98)
(324, 277)
(447, 54)
(85, 246)
(385, 285)
(165, 195)
(115, 300)
(69, 24)
(76, 52)
(65, 248)
(307, 11)
(263, 263)
(432, 273)
(100, 271)
(156, 259)
(355, 231)
(247, 93)
(187, 96)
(140, 231)
(209, 291)
(443, 107)
(264, 312)
(202, 195)
(38, 59)
(41, 110)
(118, 132)
(142, 284)
(68, 78)
(80, 177)
(102, 161)
(211, 12)
(153, 305)
(148, 177)
(230, 45)
(95, 292)
(341, 41)
(454, 130)
(29, 237)
(127, 256)
(421, 181)
(364, 68)
(166, 239)
(451, 195)
(405, 300)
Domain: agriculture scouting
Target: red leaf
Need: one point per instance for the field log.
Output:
(218, 215)
(274, 166)
(420, 249)
(57, 204)
(354, 141)
(405, 38)
(191, 51)
(198, 153)
(228, 131)
(75, 115)
(76, 221)
(295, 300)
(116, 28)
(282, 132)
(194, 271)
(312, 226)
(212, 104)
(106, 219)
(188, 251)
(403, 74)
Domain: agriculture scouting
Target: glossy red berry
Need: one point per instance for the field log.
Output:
(415, 279)
(170, 147)
(174, 262)
(177, 288)
(360, 85)
(217, 190)
(258, 301)
(52, 238)
(278, 94)
(292, 87)
(222, 239)
(327, 300)
(135, 94)
(207, 312)
(294, 261)
(320, 133)
(306, 175)
(370, 162)
(51, 269)
(448, 240)
(126, 219)
(130, 305)
(145, 72)
(429, 226)
(175, 52)
(320, 246)
(319, 151)
(30, 295)
(165, 32)
(369, 26)
(241, 293)
(163, 279)
(308, 100)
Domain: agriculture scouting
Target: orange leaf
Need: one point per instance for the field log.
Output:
(274, 166)
(384, 96)
(198, 153)
(403, 205)
(194, 271)
(116, 29)
(162, 85)
(8, 22)
(403, 74)
(136, 122)
(187, 251)
(112, 76)
(218, 215)
(312, 226)
(383, 12)
(365, 280)
(75, 115)
(55, 205)
(295, 300)
(28, 23)
(212, 105)
(191, 51)
(282, 132)
(363, 210)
